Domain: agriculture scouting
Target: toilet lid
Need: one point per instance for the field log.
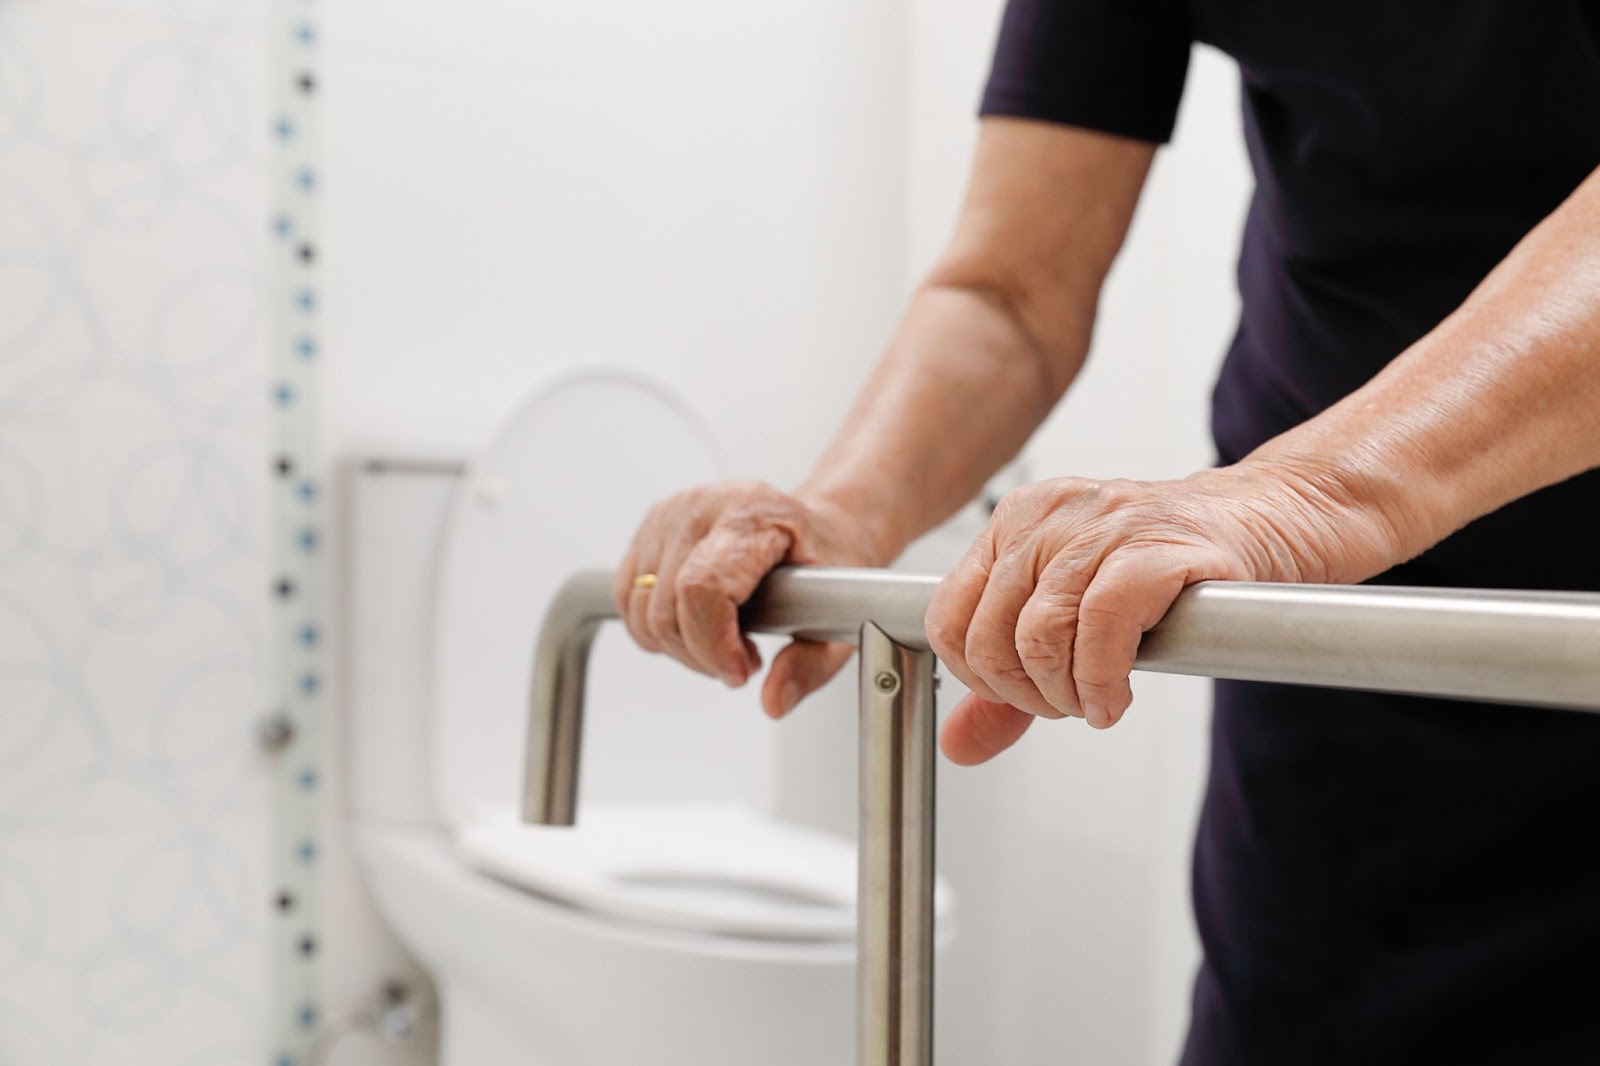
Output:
(561, 487)
(710, 870)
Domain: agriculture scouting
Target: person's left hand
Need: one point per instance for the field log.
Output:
(1043, 616)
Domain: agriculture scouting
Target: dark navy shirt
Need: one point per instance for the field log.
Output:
(1378, 879)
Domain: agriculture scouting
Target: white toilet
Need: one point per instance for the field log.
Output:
(679, 924)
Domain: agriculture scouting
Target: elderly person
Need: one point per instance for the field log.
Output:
(1413, 396)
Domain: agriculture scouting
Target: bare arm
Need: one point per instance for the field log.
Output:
(988, 344)
(1501, 399)
(995, 334)
(1044, 615)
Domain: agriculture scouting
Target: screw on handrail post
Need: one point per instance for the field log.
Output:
(894, 938)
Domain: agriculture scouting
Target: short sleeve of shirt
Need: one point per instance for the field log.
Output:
(1116, 66)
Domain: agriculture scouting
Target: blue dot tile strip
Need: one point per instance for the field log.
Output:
(297, 515)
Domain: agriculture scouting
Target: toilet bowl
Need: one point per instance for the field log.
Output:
(679, 923)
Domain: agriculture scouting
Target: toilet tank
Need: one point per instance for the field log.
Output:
(398, 499)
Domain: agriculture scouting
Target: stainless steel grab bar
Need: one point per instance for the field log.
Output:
(1536, 648)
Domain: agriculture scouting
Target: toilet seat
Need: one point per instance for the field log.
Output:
(710, 870)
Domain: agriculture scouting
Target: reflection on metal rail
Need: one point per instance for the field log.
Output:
(1536, 648)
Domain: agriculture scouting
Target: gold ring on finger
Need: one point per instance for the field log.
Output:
(645, 581)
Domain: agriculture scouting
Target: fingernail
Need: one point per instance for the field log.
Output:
(788, 696)
(1096, 715)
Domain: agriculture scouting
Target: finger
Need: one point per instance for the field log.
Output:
(633, 602)
(714, 582)
(991, 650)
(661, 604)
(1129, 594)
(979, 729)
(799, 670)
(1047, 628)
(949, 613)
(752, 655)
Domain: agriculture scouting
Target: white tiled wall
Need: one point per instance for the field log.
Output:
(132, 797)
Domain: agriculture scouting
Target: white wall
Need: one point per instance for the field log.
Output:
(133, 802)
(735, 198)
(706, 190)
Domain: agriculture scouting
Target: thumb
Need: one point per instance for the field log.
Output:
(799, 670)
(979, 729)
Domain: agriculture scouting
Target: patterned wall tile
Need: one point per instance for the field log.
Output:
(133, 801)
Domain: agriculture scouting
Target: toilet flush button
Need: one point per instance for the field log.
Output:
(491, 490)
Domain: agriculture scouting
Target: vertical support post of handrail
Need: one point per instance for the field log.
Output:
(894, 937)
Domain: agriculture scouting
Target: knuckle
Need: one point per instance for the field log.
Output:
(995, 661)
(697, 582)
(1121, 490)
(1100, 664)
(745, 522)
(668, 640)
(1068, 578)
(947, 638)
(1081, 494)
(1042, 647)
(1099, 689)
(745, 497)
(1006, 506)
(1101, 612)
(662, 618)
(1111, 597)
(639, 629)
(1064, 702)
(1115, 491)
(1021, 504)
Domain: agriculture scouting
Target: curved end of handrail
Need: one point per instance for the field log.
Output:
(555, 718)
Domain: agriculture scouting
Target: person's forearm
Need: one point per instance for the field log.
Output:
(993, 337)
(1499, 400)
(958, 393)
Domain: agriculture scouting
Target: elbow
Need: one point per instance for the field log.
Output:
(1049, 320)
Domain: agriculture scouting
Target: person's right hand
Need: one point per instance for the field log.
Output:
(709, 548)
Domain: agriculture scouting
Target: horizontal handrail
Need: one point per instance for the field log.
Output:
(1534, 648)
(1537, 648)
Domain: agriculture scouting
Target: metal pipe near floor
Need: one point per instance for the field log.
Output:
(1534, 648)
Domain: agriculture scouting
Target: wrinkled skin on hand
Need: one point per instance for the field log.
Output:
(1043, 616)
(1041, 619)
(709, 548)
